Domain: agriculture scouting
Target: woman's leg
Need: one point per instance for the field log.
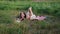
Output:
(30, 11)
(32, 16)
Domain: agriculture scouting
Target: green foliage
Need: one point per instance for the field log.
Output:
(6, 17)
(9, 29)
(51, 8)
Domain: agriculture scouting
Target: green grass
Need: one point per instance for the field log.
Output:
(24, 5)
(9, 10)
(51, 8)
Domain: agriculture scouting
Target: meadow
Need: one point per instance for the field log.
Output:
(10, 9)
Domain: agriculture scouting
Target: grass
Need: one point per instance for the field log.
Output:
(51, 8)
(9, 10)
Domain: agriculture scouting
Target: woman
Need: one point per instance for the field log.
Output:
(30, 16)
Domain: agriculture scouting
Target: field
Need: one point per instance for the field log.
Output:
(10, 9)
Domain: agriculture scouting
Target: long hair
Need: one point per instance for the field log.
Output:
(21, 15)
(25, 15)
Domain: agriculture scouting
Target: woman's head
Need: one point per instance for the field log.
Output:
(22, 15)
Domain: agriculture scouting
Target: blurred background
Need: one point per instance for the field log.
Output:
(9, 9)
